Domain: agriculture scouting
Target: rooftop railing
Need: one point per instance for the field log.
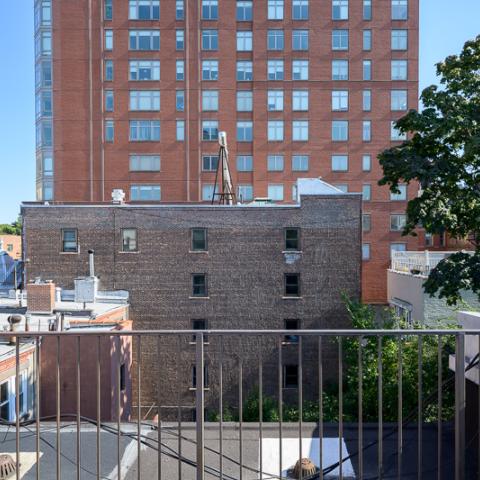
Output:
(418, 263)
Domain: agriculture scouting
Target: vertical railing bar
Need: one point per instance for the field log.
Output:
(280, 405)
(340, 408)
(119, 459)
(380, 406)
(459, 406)
(360, 408)
(260, 406)
(320, 408)
(139, 409)
(99, 418)
(179, 412)
(478, 427)
(420, 409)
(440, 408)
(58, 408)
(300, 401)
(37, 407)
(240, 415)
(220, 425)
(17, 407)
(78, 408)
(200, 405)
(159, 412)
(400, 409)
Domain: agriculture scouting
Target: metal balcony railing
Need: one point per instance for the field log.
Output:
(349, 433)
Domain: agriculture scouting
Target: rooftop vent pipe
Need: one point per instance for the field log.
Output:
(14, 321)
(91, 263)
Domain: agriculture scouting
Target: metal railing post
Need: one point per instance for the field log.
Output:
(460, 406)
(200, 405)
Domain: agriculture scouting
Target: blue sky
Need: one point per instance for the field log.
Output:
(444, 26)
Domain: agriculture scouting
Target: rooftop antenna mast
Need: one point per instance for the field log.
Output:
(223, 190)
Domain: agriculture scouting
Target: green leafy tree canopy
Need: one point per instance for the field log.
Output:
(14, 228)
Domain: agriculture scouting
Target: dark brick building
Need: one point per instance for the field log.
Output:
(215, 267)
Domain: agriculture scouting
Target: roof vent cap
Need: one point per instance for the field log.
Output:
(118, 196)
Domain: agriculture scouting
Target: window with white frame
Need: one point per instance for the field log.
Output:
(109, 101)
(245, 193)
(340, 100)
(244, 41)
(144, 130)
(294, 192)
(275, 100)
(300, 163)
(340, 40)
(109, 131)
(366, 163)
(108, 39)
(144, 163)
(210, 100)
(275, 192)
(300, 40)
(399, 39)
(210, 9)
(144, 9)
(245, 131)
(244, 101)
(399, 69)
(179, 10)
(180, 39)
(145, 193)
(180, 130)
(339, 69)
(275, 40)
(275, 130)
(367, 70)
(180, 100)
(399, 9)
(207, 192)
(339, 9)
(342, 187)
(398, 100)
(244, 163)
(300, 9)
(209, 163)
(210, 70)
(367, 130)
(395, 134)
(209, 39)
(366, 192)
(244, 11)
(339, 130)
(145, 100)
(244, 71)
(339, 163)
(275, 163)
(367, 40)
(398, 222)
(366, 100)
(144, 40)
(109, 71)
(275, 9)
(300, 130)
(300, 100)
(401, 196)
(397, 247)
(300, 70)
(210, 130)
(144, 70)
(275, 69)
(129, 239)
(180, 70)
(5, 401)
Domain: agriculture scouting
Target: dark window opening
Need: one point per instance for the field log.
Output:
(199, 239)
(290, 376)
(123, 377)
(200, 325)
(292, 239)
(199, 285)
(69, 240)
(291, 324)
(292, 284)
(194, 376)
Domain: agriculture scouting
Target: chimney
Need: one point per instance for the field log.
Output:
(40, 297)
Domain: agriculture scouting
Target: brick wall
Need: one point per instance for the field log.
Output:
(41, 297)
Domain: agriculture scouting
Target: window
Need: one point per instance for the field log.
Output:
(300, 100)
(210, 9)
(367, 100)
(340, 9)
(200, 325)
(428, 240)
(367, 39)
(70, 240)
(180, 100)
(144, 163)
(144, 130)
(199, 239)
(340, 100)
(401, 196)
(367, 131)
(300, 70)
(108, 39)
(339, 163)
(395, 134)
(9, 247)
(397, 247)
(244, 11)
(145, 100)
(399, 9)
(245, 193)
(399, 39)
(205, 376)
(275, 100)
(339, 130)
(275, 163)
(144, 70)
(180, 134)
(290, 376)
(275, 192)
(292, 239)
(5, 401)
(367, 9)
(366, 163)
(300, 163)
(179, 10)
(343, 187)
(399, 69)
(300, 10)
(144, 10)
(365, 251)
(45, 79)
(244, 41)
(244, 131)
(244, 101)
(210, 100)
(295, 193)
(109, 131)
(46, 102)
(275, 9)
(144, 40)
(275, 69)
(129, 239)
(244, 163)
(397, 222)
(300, 40)
(210, 70)
(207, 192)
(108, 10)
(209, 39)
(291, 324)
(44, 47)
(199, 285)
(366, 192)
(366, 222)
(145, 193)
(275, 130)
(398, 100)
(180, 39)
(180, 70)
(300, 130)
(209, 130)
(275, 40)
(209, 163)
(244, 71)
(340, 40)
(339, 69)
(367, 69)
(292, 284)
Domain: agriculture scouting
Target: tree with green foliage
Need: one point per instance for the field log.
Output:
(14, 228)
(442, 156)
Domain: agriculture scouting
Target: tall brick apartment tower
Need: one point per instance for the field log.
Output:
(131, 94)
